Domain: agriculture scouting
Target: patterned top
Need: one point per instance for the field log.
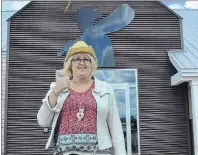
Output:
(72, 134)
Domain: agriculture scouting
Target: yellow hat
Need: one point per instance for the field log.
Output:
(78, 47)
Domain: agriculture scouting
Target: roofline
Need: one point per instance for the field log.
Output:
(176, 64)
(180, 77)
(169, 9)
(23, 8)
(183, 74)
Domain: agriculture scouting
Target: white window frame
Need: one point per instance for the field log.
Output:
(135, 85)
(125, 86)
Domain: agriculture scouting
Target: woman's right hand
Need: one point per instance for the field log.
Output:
(61, 84)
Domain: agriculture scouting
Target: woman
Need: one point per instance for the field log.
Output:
(81, 109)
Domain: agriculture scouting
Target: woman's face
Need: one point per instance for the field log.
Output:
(81, 65)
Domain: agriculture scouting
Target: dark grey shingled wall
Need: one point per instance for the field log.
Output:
(38, 32)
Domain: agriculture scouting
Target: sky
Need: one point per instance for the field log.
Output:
(9, 7)
(175, 4)
(181, 4)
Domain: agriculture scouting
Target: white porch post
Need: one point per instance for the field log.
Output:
(194, 98)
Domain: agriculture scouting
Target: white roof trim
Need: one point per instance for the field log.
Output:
(184, 76)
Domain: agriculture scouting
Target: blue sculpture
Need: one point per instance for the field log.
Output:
(95, 35)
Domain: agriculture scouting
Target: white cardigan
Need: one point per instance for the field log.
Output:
(109, 128)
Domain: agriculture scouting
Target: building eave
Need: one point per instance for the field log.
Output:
(184, 76)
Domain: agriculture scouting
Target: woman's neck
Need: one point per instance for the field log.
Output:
(80, 80)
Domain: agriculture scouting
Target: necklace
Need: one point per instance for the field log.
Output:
(80, 113)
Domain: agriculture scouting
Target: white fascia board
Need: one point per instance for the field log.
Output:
(189, 72)
(184, 76)
(177, 79)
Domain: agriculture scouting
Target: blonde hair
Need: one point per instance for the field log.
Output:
(67, 66)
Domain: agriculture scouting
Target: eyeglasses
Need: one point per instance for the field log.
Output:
(78, 60)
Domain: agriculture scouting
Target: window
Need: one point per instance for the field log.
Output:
(124, 82)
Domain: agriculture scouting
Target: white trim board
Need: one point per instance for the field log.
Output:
(185, 76)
